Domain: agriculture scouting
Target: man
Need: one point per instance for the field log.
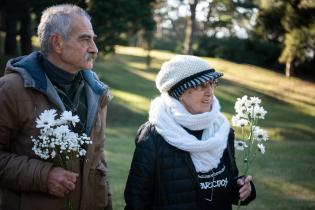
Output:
(58, 77)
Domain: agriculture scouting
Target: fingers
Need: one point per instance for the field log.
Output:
(240, 182)
(58, 191)
(60, 181)
(71, 176)
(248, 178)
(245, 189)
(68, 185)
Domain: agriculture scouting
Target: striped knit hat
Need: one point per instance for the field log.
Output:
(183, 72)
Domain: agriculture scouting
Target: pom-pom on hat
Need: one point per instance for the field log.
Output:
(183, 72)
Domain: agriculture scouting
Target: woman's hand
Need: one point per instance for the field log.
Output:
(245, 187)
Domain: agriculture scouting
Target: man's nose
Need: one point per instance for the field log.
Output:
(93, 48)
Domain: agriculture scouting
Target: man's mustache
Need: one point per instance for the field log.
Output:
(90, 56)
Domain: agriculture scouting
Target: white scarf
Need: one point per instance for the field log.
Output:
(169, 117)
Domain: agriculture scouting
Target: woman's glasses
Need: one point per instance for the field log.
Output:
(209, 84)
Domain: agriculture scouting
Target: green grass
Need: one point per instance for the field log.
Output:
(284, 176)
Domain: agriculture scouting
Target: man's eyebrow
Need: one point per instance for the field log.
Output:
(87, 36)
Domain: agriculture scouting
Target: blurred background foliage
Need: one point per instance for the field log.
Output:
(278, 34)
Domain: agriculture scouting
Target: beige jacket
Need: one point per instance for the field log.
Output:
(25, 92)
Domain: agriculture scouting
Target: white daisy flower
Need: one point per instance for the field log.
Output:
(261, 148)
(240, 145)
(239, 122)
(46, 119)
(61, 130)
(259, 112)
(260, 134)
(255, 100)
(67, 116)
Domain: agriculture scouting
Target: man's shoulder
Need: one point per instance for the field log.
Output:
(11, 81)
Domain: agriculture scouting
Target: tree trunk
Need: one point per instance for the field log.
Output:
(10, 43)
(15, 15)
(26, 34)
(149, 47)
(289, 68)
(206, 23)
(190, 28)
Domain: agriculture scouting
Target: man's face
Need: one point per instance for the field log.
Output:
(79, 50)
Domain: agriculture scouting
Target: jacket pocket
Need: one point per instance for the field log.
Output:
(100, 187)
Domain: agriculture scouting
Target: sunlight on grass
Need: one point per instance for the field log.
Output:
(292, 90)
(289, 189)
(135, 102)
(283, 177)
(163, 55)
(137, 65)
(145, 75)
(283, 122)
(119, 132)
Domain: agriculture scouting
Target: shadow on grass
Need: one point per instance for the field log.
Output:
(285, 121)
(283, 177)
(117, 74)
(121, 116)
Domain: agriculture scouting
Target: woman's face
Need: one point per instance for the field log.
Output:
(198, 100)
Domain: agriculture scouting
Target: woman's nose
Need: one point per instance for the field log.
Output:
(209, 90)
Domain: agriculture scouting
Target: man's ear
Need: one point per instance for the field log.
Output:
(57, 43)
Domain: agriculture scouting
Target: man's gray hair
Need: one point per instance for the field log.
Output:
(56, 19)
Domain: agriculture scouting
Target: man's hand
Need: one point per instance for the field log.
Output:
(245, 187)
(61, 181)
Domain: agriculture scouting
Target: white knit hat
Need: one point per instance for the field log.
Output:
(183, 72)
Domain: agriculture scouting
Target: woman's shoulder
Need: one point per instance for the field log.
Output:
(146, 132)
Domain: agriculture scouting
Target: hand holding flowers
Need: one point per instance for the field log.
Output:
(60, 182)
(58, 143)
(248, 114)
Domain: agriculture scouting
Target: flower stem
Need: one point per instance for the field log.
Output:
(239, 204)
(63, 164)
(69, 202)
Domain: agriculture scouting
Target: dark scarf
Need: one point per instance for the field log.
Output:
(70, 88)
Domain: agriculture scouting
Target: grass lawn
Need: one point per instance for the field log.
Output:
(284, 176)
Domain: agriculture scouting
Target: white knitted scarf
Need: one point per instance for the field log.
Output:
(169, 117)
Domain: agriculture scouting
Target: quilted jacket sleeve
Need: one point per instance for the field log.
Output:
(17, 172)
(139, 191)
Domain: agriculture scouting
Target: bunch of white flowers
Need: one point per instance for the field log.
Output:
(56, 138)
(248, 113)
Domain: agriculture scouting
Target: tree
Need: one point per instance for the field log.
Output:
(190, 27)
(292, 23)
(202, 18)
(224, 15)
(15, 16)
(114, 18)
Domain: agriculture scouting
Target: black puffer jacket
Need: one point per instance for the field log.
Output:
(163, 177)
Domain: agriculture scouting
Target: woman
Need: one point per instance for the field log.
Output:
(184, 156)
